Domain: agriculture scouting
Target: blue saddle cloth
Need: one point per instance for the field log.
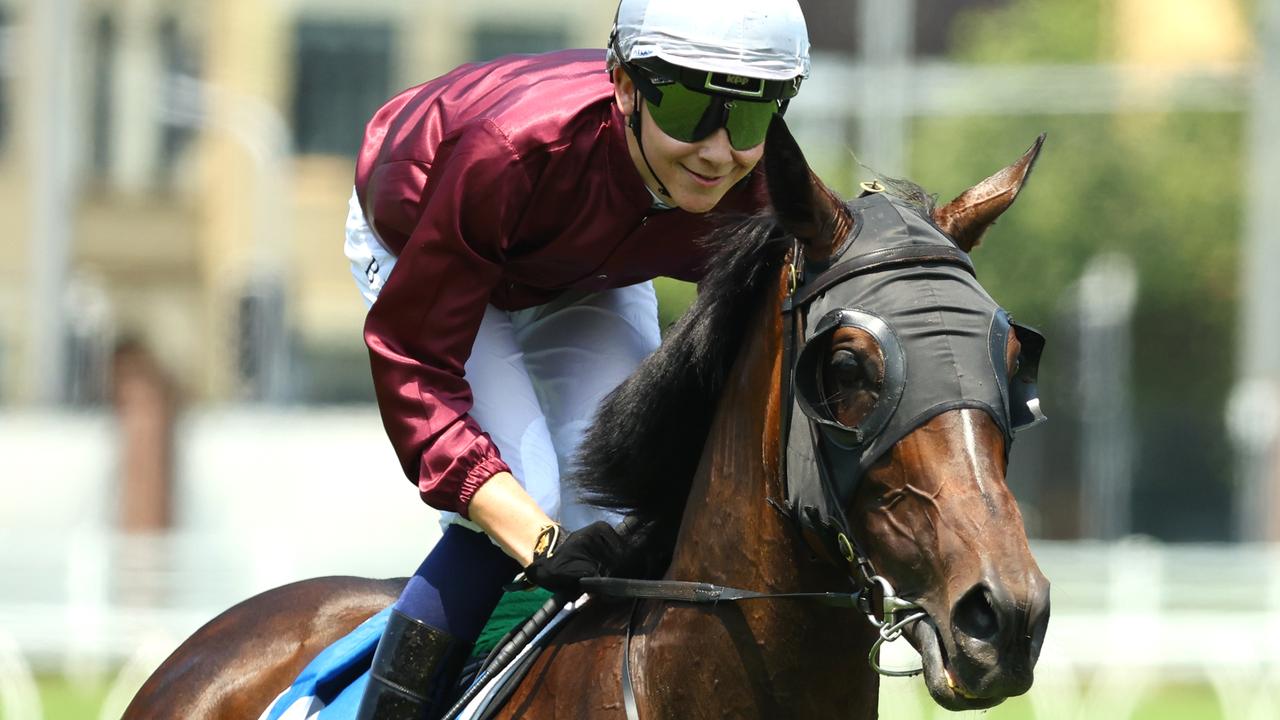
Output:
(331, 685)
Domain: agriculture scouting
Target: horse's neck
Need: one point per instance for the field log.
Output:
(730, 533)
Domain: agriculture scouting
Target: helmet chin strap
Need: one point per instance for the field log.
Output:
(635, 130)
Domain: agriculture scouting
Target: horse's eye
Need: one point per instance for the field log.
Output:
(846, 363)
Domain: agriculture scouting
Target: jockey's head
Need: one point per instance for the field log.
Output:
(700, 82)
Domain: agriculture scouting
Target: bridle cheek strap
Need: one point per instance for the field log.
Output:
(810, 501)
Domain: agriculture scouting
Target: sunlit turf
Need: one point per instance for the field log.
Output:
(1180, 702)
(62, 699)
(908, 700)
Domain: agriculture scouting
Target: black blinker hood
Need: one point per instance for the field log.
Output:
(943, 341)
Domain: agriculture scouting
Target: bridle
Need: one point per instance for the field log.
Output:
(821, 460)
(890, 245)
(818, 511)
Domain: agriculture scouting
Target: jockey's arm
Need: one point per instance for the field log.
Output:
(507, 513)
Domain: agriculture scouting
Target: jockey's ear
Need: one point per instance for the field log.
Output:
(804, 205)
(966, 218)
(624, 91)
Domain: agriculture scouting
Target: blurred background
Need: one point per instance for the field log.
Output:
(186, 414)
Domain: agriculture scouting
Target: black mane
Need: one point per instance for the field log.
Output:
(641, 452)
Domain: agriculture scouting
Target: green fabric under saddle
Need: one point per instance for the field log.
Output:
(513, 609)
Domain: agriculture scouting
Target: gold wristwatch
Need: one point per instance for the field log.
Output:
(547, 542)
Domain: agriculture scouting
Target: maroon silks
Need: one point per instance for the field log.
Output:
(508, 183)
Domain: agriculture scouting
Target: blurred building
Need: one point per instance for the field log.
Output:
(208, 157)
(210, 151)
(1182, 33)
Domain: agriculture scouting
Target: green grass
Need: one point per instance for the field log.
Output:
(674, 297)
(64, 700)
(1180, 702)
(1168, 702)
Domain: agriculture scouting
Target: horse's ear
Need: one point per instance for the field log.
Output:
(967, 217)
(804, 206)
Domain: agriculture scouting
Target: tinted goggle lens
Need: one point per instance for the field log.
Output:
(689, 116)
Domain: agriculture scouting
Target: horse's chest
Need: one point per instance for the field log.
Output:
(737, 661)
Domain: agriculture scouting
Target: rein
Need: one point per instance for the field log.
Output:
(890, 627)
(701, 593)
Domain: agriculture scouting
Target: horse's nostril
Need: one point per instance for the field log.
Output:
(975, 616)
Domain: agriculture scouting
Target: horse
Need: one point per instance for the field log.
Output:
(755, 450)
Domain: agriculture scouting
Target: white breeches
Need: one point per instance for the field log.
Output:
(537, 375)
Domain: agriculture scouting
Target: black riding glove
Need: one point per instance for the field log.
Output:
(562, 558)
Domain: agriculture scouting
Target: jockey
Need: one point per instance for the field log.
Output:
(507, 220)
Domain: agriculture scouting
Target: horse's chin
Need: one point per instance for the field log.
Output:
(943, 682)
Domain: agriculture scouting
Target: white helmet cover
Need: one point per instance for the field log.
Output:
(764, 39)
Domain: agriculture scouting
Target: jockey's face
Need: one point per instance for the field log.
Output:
(697, 174)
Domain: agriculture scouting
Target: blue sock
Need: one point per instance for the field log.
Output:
(458, 585)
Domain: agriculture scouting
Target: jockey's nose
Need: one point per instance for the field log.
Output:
(715, 149)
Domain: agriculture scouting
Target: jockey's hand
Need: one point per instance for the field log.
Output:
(562, 558)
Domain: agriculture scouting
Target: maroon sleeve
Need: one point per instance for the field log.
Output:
(421, 328)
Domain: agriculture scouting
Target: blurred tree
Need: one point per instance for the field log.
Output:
(1166, 189)
(1032, 31)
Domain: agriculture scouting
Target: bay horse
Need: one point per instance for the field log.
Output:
(700, 445)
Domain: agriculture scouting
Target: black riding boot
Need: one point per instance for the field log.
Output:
(414, 669)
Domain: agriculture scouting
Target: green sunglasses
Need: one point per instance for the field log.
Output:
(689, 116)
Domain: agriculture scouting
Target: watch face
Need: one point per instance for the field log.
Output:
(546, 539)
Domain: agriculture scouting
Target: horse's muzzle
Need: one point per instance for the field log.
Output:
(986, 648)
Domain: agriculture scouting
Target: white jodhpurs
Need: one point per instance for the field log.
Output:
(537, 375)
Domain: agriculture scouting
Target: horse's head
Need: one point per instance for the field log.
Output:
(909, 382)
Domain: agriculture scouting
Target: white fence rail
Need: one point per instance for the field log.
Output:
(1127, 618)
(264, 499)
